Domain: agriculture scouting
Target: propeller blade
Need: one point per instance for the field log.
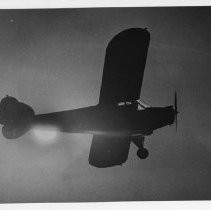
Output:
(175, 102)
(175, 108)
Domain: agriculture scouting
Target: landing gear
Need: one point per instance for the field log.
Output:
(142, 152)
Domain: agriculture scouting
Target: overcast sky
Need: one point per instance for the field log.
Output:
(53, 60)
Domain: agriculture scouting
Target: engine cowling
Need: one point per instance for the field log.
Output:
(15, 117)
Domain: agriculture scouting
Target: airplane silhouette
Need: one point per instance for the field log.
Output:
(117, 120)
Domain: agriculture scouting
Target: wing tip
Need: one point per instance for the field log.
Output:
(135, 34)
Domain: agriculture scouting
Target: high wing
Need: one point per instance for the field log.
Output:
(107, 151)
(122, 80)
(124, 66)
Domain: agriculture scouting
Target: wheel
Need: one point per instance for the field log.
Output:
(142, 153)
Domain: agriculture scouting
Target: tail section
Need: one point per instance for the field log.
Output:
(15, 117)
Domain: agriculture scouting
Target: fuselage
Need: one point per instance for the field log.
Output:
(103, 119)
(109, 120)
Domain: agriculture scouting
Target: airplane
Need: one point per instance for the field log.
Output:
(117, 120)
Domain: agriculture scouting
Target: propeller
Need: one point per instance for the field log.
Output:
(175, 108)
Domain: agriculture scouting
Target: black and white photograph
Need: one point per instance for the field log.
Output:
(105, 104)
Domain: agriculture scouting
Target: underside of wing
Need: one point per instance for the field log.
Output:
(124, 66)
(107, 151)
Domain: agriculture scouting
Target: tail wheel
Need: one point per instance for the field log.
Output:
(142, 153)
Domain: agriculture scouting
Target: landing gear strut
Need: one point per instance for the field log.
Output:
(142, 152)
